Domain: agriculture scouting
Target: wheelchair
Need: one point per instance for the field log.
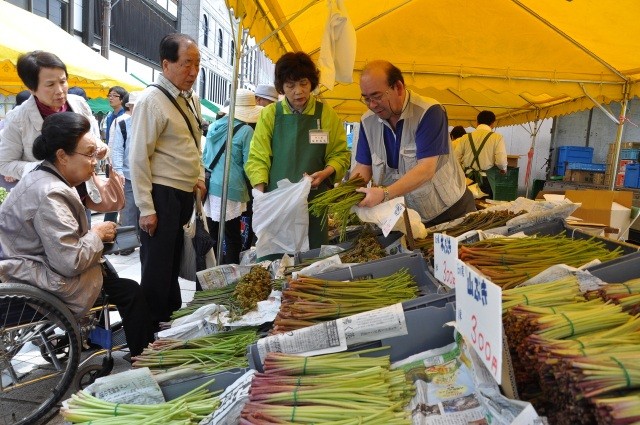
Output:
(41, 345)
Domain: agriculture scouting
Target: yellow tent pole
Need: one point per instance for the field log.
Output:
(616, 150)
(237, 23)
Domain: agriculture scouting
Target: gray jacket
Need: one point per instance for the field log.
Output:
(45, 242)
(22, 125)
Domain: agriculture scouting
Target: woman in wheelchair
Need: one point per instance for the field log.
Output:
(45, 238)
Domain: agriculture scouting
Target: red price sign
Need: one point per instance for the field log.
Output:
(445, 258)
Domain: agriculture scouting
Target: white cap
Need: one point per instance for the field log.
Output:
(267, 92)
(133, 98)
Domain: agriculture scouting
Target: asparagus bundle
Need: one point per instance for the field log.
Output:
(189, 408)
(618, 410)
(338, 202)
(510, 261)
(338, 388)
(209, 354)
(307, 300)
(481, 220)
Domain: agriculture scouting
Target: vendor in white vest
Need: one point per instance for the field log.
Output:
(404, 148)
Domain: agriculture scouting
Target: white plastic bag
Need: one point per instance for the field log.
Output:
(378, 214)
(281, 218)
(188, 260)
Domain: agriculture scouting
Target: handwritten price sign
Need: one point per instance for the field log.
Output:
(445, 258)
(479, 316)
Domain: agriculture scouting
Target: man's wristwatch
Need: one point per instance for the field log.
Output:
(385, 190)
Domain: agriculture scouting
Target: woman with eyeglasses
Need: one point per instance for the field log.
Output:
(298, 135)
(45, 75)
(45, 239)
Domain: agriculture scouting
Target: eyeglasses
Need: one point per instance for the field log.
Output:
(88, 155)
(114, 95)
(377, 98)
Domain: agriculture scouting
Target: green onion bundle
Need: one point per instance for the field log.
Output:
(187, 409)
(208, 354)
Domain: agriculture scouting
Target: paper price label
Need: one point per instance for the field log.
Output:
(479, 316)
(445, 258)
(391, 221)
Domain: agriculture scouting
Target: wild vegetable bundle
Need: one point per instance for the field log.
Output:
(190, 408)
(342, 388)
(338, 202)
(220, 296)
(307, 300)
(557, 292)
(481, 220)
(253, 287)
(208, 354)
(510, 261)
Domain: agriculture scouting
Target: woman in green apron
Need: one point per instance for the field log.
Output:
(298, 136)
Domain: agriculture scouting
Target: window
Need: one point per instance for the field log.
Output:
(57, 11)
(220, 42)
(203, 84)
(205, 30)
(233, 52)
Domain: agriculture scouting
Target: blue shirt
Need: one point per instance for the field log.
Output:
(111, 117)
(432, 138)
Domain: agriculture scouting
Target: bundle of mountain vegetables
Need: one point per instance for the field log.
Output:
(338, 202)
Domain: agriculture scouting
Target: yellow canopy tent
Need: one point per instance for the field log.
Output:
(525, 60)
(21, 31)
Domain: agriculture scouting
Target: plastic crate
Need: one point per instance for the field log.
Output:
(619, 270)
(391, 244)
(629, 154)
(583, 154)
(632, 175)
(505, 186)
(505, 193)
(587, 166)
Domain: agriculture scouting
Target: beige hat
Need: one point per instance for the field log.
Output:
(133, 98)
(267, 92)
(245, 109)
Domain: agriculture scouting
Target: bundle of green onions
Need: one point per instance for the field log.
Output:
(189, 408)
(549, 294)
(308, 300)
(220, 296)
(208, 354)
(341, 388)
(510, 261)
(338, 202)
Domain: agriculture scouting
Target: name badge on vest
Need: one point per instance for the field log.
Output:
(318, 137)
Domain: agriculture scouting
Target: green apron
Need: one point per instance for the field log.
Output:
(293, 156)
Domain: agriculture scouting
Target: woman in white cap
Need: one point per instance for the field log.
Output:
(246, 114)
(266, 94)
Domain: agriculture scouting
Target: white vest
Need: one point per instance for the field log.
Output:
(436, 195)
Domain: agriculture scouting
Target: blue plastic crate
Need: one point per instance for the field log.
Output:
(582, 154)
(587, 166)
(629, 154)
(632, 176)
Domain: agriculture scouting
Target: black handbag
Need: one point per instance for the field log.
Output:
(126, 238)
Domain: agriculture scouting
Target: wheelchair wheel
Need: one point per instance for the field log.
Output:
(34, 323)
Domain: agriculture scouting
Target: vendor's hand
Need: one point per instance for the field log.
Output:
(373, 196)
(106, 231)
(148, 223)
(503, 171)
(260, 186)
(319, 176)
(203, 188)
(9, 179)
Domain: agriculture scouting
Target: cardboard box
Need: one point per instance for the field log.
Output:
(512, 160)
(609, 207)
